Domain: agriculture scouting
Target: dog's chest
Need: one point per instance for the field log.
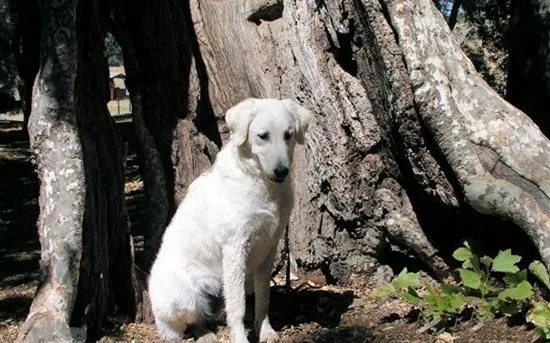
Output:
(265, 229)
(265, 218)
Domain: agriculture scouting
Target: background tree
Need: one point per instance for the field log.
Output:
(487, 42)
(19, 49)
(7, 60)
(508, 43)
(113, 52)
(529, 72)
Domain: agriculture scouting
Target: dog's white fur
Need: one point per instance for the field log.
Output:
(228, 226)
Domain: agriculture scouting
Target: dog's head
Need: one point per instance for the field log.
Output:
(268, 129)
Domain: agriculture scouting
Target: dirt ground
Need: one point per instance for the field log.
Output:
(328, 314)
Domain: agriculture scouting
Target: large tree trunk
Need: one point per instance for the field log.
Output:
(407, 138)
(107, 261)
(482, 138)
(86, 249)
(56, 144)
(163, 80)
(175, 126)
(349, 188)
(529, 70)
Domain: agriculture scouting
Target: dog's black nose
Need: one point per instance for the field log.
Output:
(280, 172)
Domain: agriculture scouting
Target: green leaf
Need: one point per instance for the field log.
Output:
(410, 297)
(539, 270)
(437, 305)
(385, 290)
(450, 289)
(505, 262)
(405, 280)
(468, 264)
(539, 315)
(520, 292)
(456, 302)
(469, 278)
(473, 264)
(515, 278)
(468, 258)
(462, 254)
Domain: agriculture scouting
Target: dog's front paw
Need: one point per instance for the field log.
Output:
(269, 335)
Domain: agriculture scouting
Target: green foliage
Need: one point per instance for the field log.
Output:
(505, 262)
(470, 278)
(539, 270)
(486, 286)
(539, 315)
(521, 291)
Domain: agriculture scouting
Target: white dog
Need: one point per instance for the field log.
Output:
(228, 226)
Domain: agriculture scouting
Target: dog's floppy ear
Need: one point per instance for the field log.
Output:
(238, 119)
(302, 116)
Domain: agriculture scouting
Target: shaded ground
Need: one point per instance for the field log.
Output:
(324, 315)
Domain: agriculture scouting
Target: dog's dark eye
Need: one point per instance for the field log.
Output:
(263, 136)
(288, 135)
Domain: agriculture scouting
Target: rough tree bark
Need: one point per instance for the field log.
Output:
(482, 137)
(106, 269)
(528, 85)
(167, 98)
(56, 144)
(173, 119)
(86, 249)
(349, 186)
(408, 139)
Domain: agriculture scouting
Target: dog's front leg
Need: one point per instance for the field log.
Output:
(261, 291)
(234, 273)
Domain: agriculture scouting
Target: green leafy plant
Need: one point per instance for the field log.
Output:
(485, 286)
